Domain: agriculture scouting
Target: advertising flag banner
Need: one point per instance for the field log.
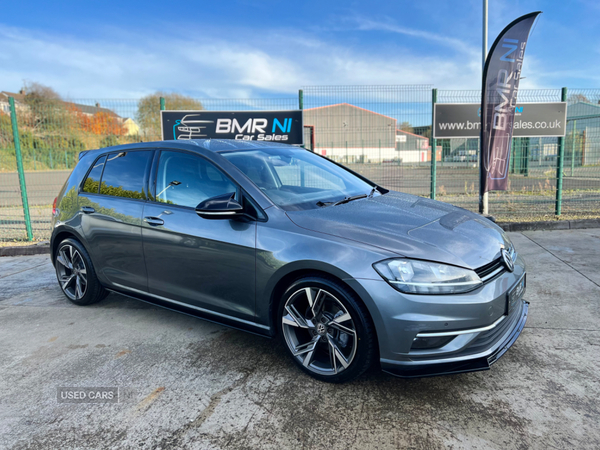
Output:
(501, 75)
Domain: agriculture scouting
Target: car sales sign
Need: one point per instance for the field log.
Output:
(272, 126)
(462, 120)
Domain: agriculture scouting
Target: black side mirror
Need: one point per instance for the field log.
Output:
(220, 207)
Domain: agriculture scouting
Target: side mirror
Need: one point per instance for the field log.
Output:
(220, 207)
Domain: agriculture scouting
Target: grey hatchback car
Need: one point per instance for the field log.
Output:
(279, 241)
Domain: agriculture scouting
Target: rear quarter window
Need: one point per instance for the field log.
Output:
(92, 182)
(124, 174)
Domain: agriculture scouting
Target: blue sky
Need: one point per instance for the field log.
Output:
(250, 49)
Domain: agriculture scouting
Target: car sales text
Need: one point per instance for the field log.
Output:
(253, 126)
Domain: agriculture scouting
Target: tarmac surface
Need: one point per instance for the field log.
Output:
(187, 383)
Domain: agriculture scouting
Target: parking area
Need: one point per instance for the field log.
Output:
(188, 383)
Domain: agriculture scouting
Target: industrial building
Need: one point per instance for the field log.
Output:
(350, 134)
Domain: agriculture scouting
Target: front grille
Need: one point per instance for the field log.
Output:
(491, 270)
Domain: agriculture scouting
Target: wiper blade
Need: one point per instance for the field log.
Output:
(373, 191)
(349, 199)
(320, 203)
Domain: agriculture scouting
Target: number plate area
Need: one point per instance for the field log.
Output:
(516, 294)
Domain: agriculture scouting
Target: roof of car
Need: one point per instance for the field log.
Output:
(223, 145)
(214, 145)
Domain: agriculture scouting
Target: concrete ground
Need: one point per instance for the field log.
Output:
(192, 384)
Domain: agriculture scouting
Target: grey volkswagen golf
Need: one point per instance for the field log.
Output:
(276, 240)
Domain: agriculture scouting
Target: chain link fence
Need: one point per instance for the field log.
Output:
(382, 132)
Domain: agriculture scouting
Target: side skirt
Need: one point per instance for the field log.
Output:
(194, 311)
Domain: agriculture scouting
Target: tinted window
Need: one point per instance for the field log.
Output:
(124, 174)
(92, 182)
(186, 180)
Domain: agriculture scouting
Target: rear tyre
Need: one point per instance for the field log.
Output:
(326, 330)
(76, 275)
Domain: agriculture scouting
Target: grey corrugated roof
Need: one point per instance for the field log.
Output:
(88, 109)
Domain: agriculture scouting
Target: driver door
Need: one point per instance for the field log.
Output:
(205, 263)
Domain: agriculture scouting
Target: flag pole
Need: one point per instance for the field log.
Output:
(483, 204)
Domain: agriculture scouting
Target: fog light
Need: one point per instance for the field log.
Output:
(427, 343)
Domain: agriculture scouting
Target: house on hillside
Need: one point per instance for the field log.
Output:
(90, 110)
(133, 129)
(19, 101)
(349, 134)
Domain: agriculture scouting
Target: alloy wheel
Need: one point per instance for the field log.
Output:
(319, 331)
(72, 272)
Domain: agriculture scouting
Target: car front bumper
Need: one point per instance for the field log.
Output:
(469, 362)
(481, 325)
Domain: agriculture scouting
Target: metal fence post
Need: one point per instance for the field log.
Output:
(433, 145)
(560, 164)
(24, 200)
(162, 103)
(301, 107)
(573, 147)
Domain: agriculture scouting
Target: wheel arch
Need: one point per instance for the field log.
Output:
(324, 271)
(59, 235)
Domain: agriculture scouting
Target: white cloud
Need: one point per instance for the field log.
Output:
(239, 66)
(440, 39)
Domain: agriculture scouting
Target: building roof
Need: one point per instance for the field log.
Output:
(88, 109)
(18, 97)
(352, 106)
(583, 109)
(410, 134)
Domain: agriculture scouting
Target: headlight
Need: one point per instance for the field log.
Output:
(421, 277)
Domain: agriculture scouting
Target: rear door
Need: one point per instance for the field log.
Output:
(111, 202)
(208, 264)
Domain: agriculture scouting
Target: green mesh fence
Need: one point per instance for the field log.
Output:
(382, 132)
(533, 164)
(53, 132)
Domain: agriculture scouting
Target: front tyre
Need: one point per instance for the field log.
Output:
(326, 330)
(76, 275)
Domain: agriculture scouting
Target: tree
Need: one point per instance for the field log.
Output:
(405, 126)
(46, 110)
(575, 98)
(148, 113)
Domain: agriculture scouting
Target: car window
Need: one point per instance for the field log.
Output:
(296, 172)
(92, 182)
(297, 179)
(124, 174)
(186, 180)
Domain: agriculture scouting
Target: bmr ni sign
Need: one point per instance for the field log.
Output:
(273, 126)
(463, 120)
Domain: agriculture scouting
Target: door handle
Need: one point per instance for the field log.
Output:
(87, 209)
(154, 221)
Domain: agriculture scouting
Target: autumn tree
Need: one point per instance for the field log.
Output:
(148, 113)
(103, 123)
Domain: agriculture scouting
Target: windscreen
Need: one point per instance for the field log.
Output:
(297, 179)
